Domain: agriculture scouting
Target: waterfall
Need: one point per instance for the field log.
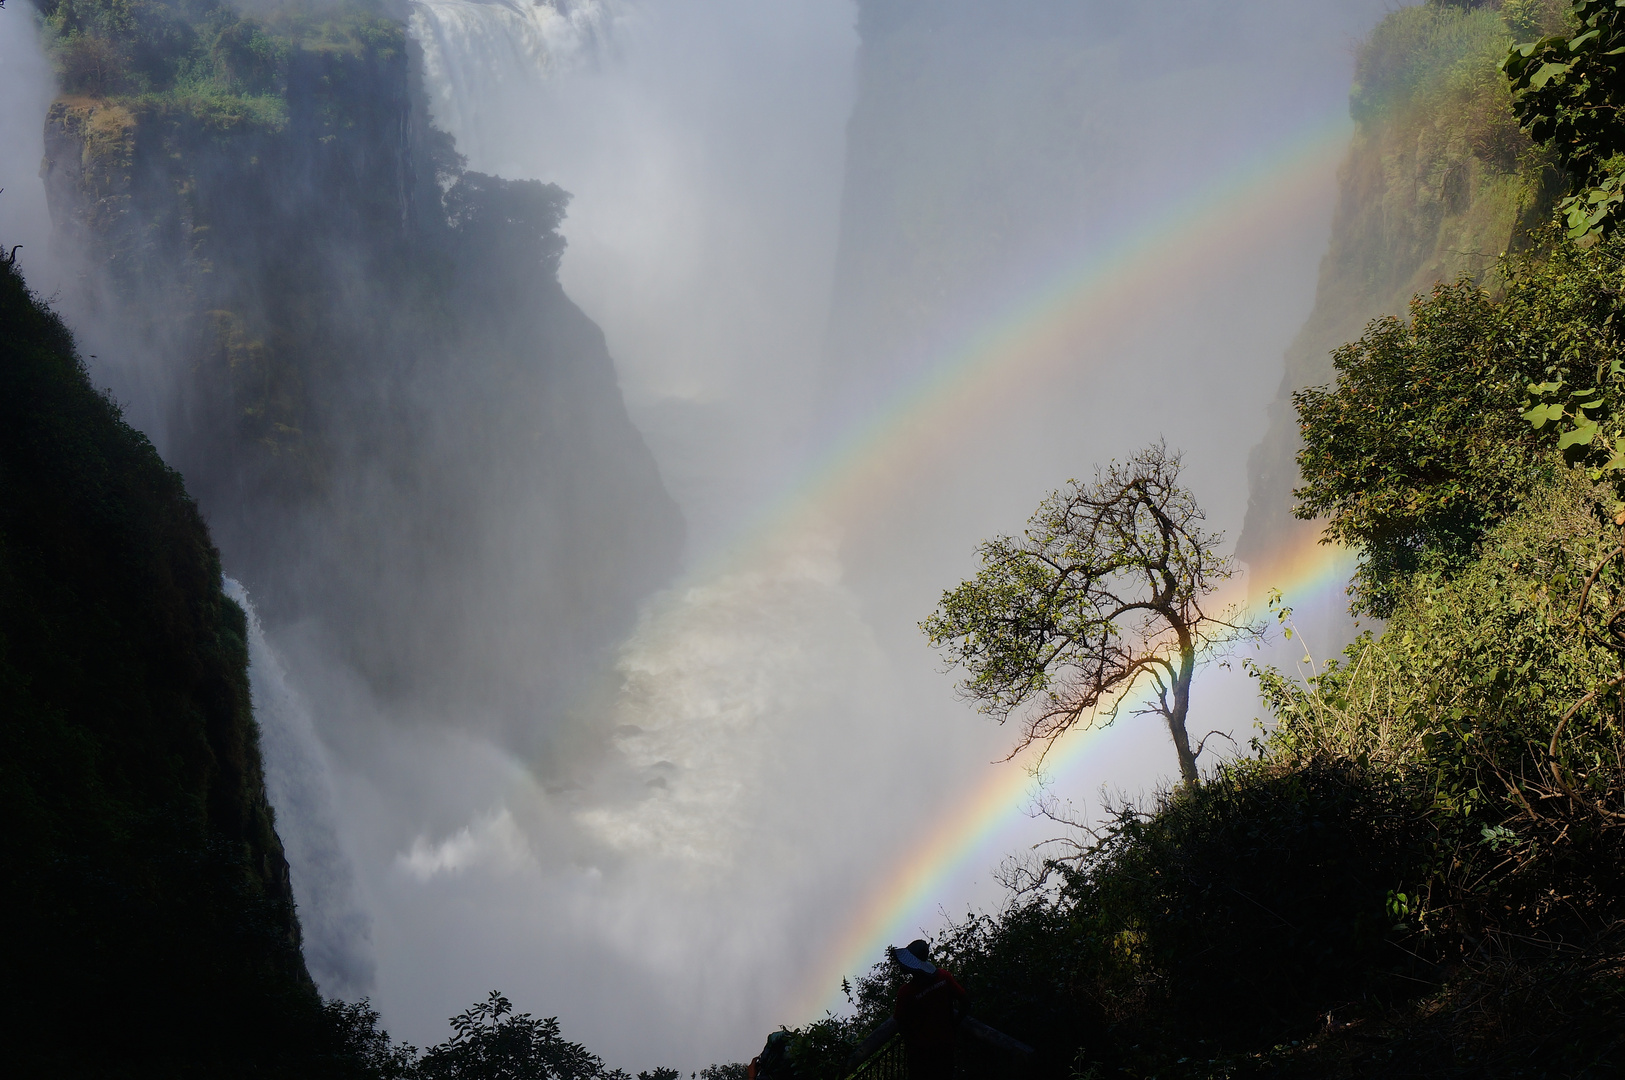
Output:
(298, 779)
(26, 88)
(475, 50)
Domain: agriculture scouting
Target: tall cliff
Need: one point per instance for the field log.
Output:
(1438, 182)
(406, 438)
(149, 918)
(1006, 170)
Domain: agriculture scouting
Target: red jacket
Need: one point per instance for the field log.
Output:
(928, 1011)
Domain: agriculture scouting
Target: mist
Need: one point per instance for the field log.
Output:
(656, 801)
(28, 85)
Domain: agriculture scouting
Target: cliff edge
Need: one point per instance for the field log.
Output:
(1438, 183)
(149, 916)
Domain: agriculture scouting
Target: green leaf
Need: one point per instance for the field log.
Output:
(1541, 415)
(1581, 435)
(1547, 72)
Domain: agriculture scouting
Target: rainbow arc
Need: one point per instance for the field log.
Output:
(1016, 349)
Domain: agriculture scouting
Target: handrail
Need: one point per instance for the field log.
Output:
(889, 1062)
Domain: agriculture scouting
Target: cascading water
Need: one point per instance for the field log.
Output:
(299, 781)
(25, 92)
(477, 51)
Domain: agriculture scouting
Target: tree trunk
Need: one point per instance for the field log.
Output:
(1176, 718)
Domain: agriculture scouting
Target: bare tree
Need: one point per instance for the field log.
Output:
(1104, 589)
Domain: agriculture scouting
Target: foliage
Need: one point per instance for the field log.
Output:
(1435, 67)
(1563, 321)
(1529, 19)
(1104, 589)
(491, 1042)
(360, 1040)
(1471, 693)
(1226, 916)
(734, 1071)
(1417, 449)
(203, 56)
(1416, 56)
(508, 220)
(1568, 91)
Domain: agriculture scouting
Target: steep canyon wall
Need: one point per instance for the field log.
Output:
(406, 438)
(1438, 183)
(148, 901)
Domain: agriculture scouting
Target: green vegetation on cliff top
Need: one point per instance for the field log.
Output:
(205, 57)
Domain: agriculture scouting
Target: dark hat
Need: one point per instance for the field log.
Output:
(916, 957)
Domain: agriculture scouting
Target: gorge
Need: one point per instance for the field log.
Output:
(588, 398)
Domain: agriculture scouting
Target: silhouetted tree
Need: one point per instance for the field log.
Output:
(492, 1042)
(734, 1071)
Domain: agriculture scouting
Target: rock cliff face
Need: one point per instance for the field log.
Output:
(1438, 183)
(403, 433)
(150, 918)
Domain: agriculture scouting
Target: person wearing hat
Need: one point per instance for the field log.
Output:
(928, 1011)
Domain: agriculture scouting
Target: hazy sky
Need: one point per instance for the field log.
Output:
(779, 737)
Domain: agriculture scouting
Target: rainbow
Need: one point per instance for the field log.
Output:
(1013, 349)
(1010, 350)
(896, 905)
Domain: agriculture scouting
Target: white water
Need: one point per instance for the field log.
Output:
(25, 92)
(519, 44)
(299, 781)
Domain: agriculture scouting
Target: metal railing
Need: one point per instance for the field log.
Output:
(888, 1063)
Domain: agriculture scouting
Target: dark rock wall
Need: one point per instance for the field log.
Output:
(150, 927)
(401, 430)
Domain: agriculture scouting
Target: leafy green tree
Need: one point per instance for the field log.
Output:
(1103, 591)
(517, 219)
(1417, 448)
(361, 1041)
(1569, 91)
(1489, 698)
